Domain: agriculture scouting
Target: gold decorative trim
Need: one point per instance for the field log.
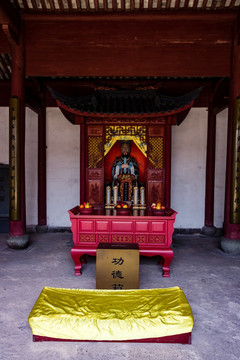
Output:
(14, 159)
(235, 180)
(156, 239)
(122, 238)
(141, 239)
(87, 238)
(103, 238)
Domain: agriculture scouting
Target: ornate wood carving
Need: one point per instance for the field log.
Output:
(87, 237)
(156, 239)
(141, 239)
(122, 238)
(127, 119)
(103, 238)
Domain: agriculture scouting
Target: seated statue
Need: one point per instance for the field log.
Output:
(125, 172)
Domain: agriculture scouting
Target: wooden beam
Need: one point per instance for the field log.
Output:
(132, 5)
(96, 4)
(34, 5)
(25, 4)
(9, 17)
(4, 43)
(177, 4)
(168, 4)
(159, 4)
(202, 47)
(60, 3)
(141, 4)
(43, 4)
(52, 6)
(78, 2)
(70, 5)
(87, 5)
(11, 34)
(206, 16)
(114, 5)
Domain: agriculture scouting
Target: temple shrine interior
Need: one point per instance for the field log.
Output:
(119, 133)
(129, 82)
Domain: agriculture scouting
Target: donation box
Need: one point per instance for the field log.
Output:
(117, 266)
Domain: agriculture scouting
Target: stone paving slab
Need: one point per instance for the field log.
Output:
(209, 278)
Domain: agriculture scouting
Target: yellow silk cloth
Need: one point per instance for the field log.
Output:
(110, 314)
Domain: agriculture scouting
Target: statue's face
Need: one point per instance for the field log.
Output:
(125, 148)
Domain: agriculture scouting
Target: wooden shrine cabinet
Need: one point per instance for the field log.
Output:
(148, 140)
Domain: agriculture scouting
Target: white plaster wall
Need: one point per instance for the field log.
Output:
(188, 169)
(4, 135)
(31, 166)
(63, 167)
(220, 167)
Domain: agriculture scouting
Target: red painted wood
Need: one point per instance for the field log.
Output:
(152, 234)
(184, 338)
(210, 167)
(82, 163)
(168, 165)
(107, 44)
(232, 231)
(18, 228)
(42, 183)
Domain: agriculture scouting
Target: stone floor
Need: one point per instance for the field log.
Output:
(209, 278)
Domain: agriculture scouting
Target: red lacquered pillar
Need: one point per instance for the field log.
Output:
(231, 240)
(42, 187)
(18, 238)
(209, 228)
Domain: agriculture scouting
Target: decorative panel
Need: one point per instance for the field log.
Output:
(87, 237)
(158, 226)
(122, 226)
(102, 225)
(155, 152)
(156, 239)
(155, 192)
(103, 238)
(141, 239)
(137, 133)
(122, 238)
(86, 225)
(95, 152)
(156, 175)
(95, 191)
(142, 226)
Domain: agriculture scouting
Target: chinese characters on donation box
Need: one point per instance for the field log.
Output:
(117, 267)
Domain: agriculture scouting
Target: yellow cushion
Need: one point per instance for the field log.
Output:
(110, 314)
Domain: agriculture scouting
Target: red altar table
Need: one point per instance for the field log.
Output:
(153, 234)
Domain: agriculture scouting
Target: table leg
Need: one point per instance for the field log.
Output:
(76, 256)
(168, 256)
